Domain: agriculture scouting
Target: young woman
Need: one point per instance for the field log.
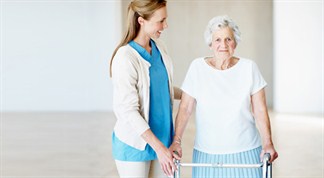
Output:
(141, 72)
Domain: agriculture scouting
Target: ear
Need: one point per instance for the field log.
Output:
(140, 20)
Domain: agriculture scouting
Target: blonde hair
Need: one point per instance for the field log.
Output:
(137, 8)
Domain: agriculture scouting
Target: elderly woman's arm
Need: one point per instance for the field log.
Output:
(186, 107)
(177, 93)
(260, 112)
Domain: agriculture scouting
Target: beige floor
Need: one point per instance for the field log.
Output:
(77, 145)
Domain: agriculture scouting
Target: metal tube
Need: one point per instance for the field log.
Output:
(270, 170)
(220, 165)
(177, 172)
(266, 166)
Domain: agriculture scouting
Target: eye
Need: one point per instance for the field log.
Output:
(228, 39)
(217, 39)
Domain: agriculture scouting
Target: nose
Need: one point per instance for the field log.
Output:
(223, 43)
(165, 25)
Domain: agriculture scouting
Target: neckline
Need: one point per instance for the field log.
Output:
(204, 59)
(142, 51)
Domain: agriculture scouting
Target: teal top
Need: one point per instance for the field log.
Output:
(160, 115)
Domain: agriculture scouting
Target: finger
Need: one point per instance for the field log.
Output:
(175, 152)
(165, 170)
(271, 156)
(173, 166)
(162, 168)
(274, 156)
(176, 156)
(180, 153)
(169, 169)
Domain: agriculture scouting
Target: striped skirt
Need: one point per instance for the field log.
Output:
(247, 157)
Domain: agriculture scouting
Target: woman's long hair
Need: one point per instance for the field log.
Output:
(137, 8)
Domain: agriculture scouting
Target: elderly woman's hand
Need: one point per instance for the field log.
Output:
(269, 148)
(176, 149)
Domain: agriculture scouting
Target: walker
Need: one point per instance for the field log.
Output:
(265, 164)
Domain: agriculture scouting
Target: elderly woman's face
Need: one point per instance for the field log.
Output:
(223, 43)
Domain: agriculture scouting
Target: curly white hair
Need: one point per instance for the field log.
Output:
(220, 22)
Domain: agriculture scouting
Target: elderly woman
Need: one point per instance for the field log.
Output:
(229, 97)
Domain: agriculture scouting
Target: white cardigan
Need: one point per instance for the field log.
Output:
(131, 98)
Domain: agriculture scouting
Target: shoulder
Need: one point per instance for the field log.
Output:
(125, 54)
(247, 62)
(125, 63)
(198, 62)
(196, 65)
(124, 51)
(249, 65)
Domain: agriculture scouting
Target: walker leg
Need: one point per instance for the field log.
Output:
(177, 172)
(269, 170)
(266, 167)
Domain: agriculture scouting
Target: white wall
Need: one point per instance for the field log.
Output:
(298, 67)
(55, 54)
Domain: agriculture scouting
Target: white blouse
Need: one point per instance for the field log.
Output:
(224, 121)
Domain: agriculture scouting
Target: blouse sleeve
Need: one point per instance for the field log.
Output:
(189, 83)
(258, 82)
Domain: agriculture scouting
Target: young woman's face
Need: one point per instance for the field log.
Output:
(223, 43)
(156, 24)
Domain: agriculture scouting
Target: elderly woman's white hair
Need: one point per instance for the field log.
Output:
(220, 22)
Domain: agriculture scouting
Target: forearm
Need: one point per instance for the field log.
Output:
(152, 140)
(181, 122)
(261, 116)
(186, 107)
(263, 123)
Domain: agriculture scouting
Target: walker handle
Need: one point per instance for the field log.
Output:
(266, 167)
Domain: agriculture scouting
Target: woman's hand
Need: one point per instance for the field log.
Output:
(166, 161)
(163, 153)
(271, 150)
(176, 150)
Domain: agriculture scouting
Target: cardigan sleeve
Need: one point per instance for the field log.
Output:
(126, 103)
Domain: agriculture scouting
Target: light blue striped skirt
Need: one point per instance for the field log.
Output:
(247, 157)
